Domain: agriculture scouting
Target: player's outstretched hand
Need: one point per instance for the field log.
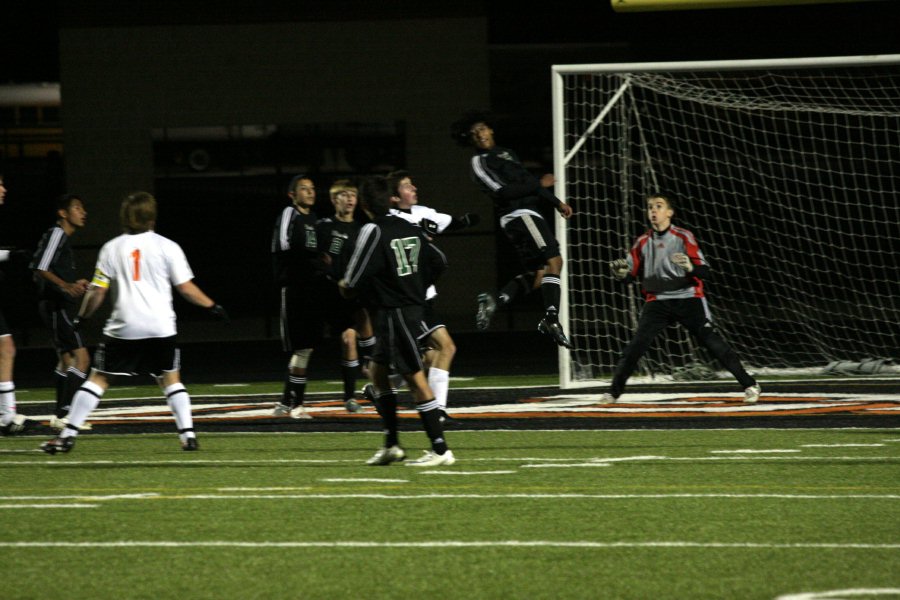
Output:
(619, 268)
(219, 312)
(683, 260)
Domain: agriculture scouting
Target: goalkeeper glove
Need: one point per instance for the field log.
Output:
(619, 268)
(217, 311)
(429, 226)
(683, 261)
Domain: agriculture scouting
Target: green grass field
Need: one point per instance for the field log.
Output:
(523, 514)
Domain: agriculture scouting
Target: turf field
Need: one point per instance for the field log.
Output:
(654, 512)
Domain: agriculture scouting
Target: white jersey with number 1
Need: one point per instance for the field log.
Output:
(140, 270)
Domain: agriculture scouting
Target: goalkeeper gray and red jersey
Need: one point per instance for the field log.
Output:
(650, 260)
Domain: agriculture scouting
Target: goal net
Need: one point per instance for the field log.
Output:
(788, 173)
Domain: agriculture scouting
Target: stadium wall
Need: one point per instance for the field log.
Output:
(121, 83)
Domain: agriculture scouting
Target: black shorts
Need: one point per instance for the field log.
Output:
(340, 312)
(59, 321)
(302, 319)
(153, 356)
(396, 330)
(533, 240)
(4, 328)
(430, 322)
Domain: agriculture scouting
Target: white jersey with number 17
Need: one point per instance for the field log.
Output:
(140, 270)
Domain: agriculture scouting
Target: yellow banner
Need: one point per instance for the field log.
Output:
(648, 5)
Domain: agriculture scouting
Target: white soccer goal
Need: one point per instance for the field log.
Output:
(787, 171)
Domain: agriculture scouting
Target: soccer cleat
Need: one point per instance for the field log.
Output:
(190, 444)
(61, 445)
(281, 410)
(299, 412)
(58, 424)
(555, 330)
(433, 459)
(19, 425)
(751, 394)
(386, 456)
(369, 394)
(352, 405)
(487, 306)
(607, 399)
(445, 418)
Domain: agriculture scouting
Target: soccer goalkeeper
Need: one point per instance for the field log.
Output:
(671, 268)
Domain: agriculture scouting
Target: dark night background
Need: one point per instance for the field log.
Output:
(30, 43)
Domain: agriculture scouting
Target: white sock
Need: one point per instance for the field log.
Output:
(180, 404)
(84, 402)
(439, 381)
(7, 402)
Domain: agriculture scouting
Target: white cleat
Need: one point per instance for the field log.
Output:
(432, 459)
(58, 424)
(607, 399)
(281, 410)
(18, 425)
(751, 394)
(386, 456)
(299, 412)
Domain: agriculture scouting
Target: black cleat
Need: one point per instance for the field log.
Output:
(369, 394)
(446, 419)
(487, 306)
(555, 330)
(17, 426)
(190, 445)
(58, 445)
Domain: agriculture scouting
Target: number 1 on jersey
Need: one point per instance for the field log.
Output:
(136, 255)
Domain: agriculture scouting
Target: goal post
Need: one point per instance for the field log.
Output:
(787, 171)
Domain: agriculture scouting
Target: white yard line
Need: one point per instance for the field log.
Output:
(48, 506)
(431, 496)
(454, 544)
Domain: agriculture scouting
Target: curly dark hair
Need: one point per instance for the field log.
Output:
(459, 129)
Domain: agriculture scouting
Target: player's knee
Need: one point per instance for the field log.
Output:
(448, 349)
(554, 265)
(348, 338)
(82, 360)
(300, 359)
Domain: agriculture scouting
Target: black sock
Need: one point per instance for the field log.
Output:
(430, 413)
(387, 408)
(550, 293)
(294, 390)
(520, 284)
(349, 370)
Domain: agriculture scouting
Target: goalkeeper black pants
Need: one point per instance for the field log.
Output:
(693, 314)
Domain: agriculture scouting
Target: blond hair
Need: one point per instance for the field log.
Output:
(138, 212)
(342, 185)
